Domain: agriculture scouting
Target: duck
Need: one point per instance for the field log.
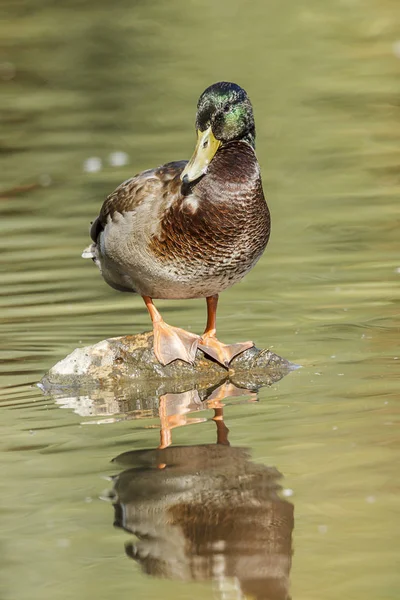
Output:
(189, 229)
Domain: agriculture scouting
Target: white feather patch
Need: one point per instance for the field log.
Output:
(88, 252)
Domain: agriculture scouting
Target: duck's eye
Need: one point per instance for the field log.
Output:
(227, 108)
(205, 143)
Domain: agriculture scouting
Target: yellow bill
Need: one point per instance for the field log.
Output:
(206, 147)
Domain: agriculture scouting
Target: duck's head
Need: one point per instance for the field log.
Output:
(224, 114)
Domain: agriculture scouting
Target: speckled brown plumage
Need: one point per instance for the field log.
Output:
(222, 221)
(151, 184)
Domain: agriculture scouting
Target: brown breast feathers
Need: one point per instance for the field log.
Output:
(221, 219)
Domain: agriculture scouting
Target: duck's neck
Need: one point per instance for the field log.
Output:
(232, 175)
(250, 138)
(235, 162)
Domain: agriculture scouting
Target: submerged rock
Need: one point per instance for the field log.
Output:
(131, 359)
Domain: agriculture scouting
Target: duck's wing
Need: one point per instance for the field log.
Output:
(157, 187)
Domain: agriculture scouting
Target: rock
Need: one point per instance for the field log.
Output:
(131, 359)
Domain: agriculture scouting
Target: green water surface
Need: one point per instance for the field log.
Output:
(84, 79)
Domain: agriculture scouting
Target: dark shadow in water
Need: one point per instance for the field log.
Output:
(205, 512)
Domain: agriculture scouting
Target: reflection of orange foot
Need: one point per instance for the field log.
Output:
(171, 343)
(223, 353)
(228, 390)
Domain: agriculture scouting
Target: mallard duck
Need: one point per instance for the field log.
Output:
(189, 229)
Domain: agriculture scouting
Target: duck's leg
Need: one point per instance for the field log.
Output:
(170, 342)
(222, 430)
(223, 353)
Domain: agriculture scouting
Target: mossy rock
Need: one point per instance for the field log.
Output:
(131, 359)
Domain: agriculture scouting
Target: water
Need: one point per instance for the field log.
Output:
(83, 82)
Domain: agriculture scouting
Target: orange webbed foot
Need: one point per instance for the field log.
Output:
(171, 343)
(222, 353)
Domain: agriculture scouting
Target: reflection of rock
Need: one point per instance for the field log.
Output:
(207, 512)
(131, 358)
(141, 399)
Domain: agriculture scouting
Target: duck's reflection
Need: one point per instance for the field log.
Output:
(205, 512)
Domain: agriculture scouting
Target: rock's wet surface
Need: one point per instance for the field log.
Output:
(129, 359)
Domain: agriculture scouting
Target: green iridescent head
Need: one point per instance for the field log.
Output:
(224, 114)
(227, 109)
